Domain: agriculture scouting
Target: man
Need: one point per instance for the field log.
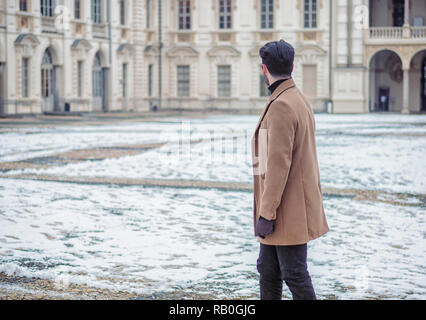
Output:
(288, 210)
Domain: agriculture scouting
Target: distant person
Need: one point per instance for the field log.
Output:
(288, 208)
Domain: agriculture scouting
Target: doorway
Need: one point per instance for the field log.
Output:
(386, 82)
(97, 84)
(47, 82)
(383, 102)
(100, 80)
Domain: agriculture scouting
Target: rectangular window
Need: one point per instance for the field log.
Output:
(148, 13)
(124, 81)
(97, 11)
(184, 14)
(25, 77)
(122, 12)
(23, 5)
(310, 80)
(225, 14)
(46, 8)
(150, 74)
(80, 78)
(224, 81)
(77, 9)
(266, 14)
(183, 81)
(310, 13)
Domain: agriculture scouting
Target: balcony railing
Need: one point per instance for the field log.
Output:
(99, 30)
(418, 32)
(48, 24)
(396, 33)
(385, 33)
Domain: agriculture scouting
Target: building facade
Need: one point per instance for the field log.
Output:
(352, 56)
(379, 56)
(60, 55)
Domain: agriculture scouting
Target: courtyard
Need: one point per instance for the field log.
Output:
(160, 207)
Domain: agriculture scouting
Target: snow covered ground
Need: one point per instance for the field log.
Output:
(372, 151)
(148, 239)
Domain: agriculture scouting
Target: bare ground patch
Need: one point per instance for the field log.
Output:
(23, 288)
(393, 198)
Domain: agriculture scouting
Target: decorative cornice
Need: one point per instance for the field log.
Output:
(186, 51)
(223, 51)
(300, 49)
(125, 47)
(81, 43)
(24, 38)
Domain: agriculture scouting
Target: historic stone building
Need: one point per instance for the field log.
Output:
(104, 55)
(59, 55)
(379, 56)
(210, 53)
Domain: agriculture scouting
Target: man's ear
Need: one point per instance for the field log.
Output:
(265, 69)
(292, 68)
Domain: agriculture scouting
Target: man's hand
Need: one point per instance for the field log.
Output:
(264, 227)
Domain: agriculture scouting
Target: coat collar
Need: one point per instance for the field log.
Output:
(280, 89)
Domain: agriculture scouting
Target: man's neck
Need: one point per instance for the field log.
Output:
(276, 83)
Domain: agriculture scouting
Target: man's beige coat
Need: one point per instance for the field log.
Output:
(287, 185)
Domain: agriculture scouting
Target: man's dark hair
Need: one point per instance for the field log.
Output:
(278, 56)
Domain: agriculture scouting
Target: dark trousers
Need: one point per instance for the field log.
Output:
(284, 263)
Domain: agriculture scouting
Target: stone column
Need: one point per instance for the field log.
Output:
(407, 12)
(406, 92)
(406, 26)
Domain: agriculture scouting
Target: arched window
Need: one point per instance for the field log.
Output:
(97, 76)
(47, 75)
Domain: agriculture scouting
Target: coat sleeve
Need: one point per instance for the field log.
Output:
(281, 126)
